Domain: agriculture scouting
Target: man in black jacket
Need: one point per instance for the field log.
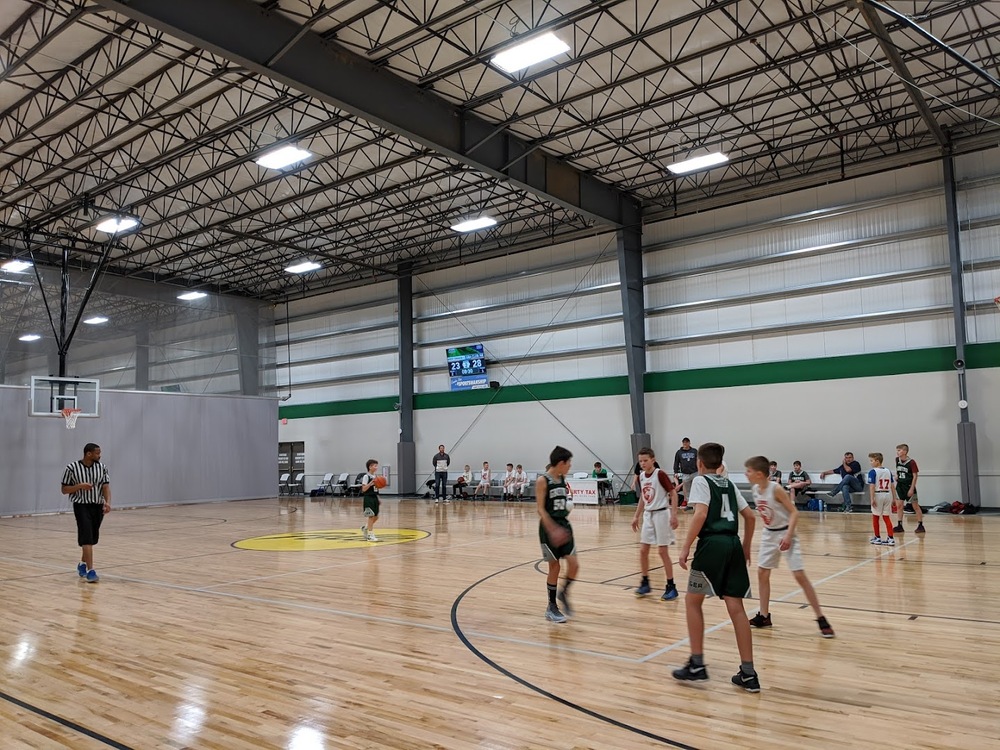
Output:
(441, 463)
(685, 466)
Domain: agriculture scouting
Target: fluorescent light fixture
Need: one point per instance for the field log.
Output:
(303, 267)
(530, 52)
(16, 266)
(29, 337)
(191, 295)
(282, 157)
(698, 162)
(117, 224)
(96, 320)
(474, 225)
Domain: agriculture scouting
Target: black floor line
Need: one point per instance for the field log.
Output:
(64, 722)
(541, 691)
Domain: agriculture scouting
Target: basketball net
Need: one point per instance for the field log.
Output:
(71, 416)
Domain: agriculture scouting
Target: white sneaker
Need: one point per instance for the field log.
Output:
(373, 538)
(447, 502)
(436, 501)
(890, 542)
(875, 540)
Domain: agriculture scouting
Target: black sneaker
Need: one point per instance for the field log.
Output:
(561, 598)
(898, 529)
(761, 621)
(748, 682)
(824, 628)
(691, 673)
(920, 528)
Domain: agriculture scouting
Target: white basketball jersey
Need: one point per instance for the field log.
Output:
(882, 478)
(771, 512)
(653, 493)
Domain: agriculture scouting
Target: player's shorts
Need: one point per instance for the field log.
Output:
(656, 528)
(901, 492)
(719, 568)
(550, 552)
(370, 504)
(88, 522)
(882, 505)
(769, 554)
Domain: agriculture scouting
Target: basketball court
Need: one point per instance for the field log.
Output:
(435, 637)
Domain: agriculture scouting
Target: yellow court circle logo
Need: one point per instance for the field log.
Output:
(307, 541)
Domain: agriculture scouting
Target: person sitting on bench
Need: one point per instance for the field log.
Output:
(850, 480)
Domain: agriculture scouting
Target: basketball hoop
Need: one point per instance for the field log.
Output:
(71, 416)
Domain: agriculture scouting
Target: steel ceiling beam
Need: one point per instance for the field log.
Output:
(250, 35)
(899, 66)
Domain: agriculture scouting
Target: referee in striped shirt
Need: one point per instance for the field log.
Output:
(88, 485)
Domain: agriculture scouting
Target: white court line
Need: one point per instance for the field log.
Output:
(723, 624)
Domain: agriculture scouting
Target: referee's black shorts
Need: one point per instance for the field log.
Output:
(88, 522)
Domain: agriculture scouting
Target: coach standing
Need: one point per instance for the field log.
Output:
(88, 485)
(441, 463)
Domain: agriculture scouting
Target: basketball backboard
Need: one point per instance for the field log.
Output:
(49, 396)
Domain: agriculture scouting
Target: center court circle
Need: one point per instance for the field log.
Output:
(308, 541)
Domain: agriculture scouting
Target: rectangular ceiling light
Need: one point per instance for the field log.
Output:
(530, 52)
(698, 162)
(16, 266)
(474, 225)
(191, 295)
(96, 320)
(303, 267)
(280, 158)
(29, 337)
(117, 224)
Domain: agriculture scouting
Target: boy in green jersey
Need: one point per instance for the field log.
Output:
(554, 531)
(719, 566)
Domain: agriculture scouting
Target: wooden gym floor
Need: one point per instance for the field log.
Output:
(189, 642)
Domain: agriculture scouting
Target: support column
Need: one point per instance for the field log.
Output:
(634, 322)
(142, 360)
(248, 350)
(406, 450)
(968, 451)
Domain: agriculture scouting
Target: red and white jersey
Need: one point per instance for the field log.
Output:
(882, 478)
(655, 489)
(771, 512)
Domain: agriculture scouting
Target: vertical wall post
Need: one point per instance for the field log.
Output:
(634, 322)
(968, 451)
(248, 349)
(406, 453)
(142, 359)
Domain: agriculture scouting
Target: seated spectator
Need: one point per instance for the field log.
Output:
(484, 481)
(851, 480)
(507, 483)
(461, 486)
(774, 473)
(603, 485)
(520, 480)
(797, 480)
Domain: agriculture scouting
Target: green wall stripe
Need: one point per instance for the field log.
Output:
(795, 371)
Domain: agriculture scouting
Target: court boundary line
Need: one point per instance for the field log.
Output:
(72, 725)
(536, 688)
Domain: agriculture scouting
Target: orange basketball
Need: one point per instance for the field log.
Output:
(381, 482)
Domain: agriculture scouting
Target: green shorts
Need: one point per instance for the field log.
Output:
(370, 504)
(719, 568)
(550, 552)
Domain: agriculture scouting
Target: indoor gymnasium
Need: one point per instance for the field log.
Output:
(607, 374)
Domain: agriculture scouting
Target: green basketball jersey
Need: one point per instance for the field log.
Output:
(905, 472)
(555, 499)
(797, 476)
(723, 508)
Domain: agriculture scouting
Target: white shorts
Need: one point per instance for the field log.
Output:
(883, 504)
(769, 553)
(656, 528)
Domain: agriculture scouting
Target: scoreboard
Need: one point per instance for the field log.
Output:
(467, 368)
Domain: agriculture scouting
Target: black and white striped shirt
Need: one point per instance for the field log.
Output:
(96, 474)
